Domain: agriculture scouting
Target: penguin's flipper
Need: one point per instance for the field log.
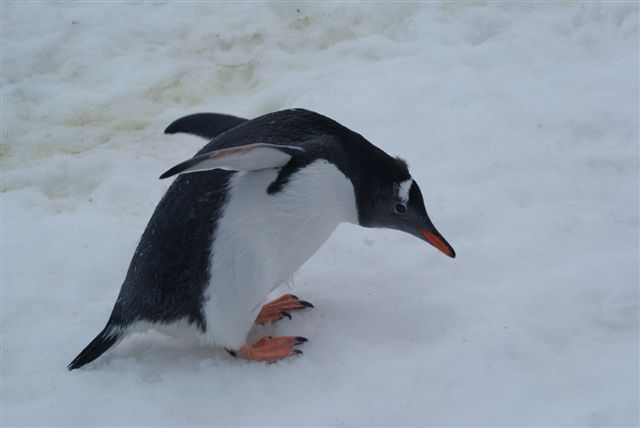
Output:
(205, 125)
(251, 157)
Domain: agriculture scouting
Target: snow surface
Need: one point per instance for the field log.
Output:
(519, 121)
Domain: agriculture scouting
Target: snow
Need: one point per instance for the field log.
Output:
(518, 120)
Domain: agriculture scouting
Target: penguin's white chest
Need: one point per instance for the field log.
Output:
(262, 239)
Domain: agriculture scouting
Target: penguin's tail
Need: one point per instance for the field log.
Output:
(98, 346)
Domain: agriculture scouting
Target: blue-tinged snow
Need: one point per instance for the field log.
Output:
(518, 120)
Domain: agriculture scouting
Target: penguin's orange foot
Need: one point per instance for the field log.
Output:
(276, 310)
(270, 348)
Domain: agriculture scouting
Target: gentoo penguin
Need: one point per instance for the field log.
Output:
(243, 215)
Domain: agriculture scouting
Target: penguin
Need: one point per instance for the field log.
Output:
(245, 213)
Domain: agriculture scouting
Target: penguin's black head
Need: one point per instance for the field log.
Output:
(389, 198)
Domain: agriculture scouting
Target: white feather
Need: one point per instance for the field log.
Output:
(262, 239)
(403, 190)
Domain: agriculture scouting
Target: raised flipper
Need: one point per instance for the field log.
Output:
(250, 157)
(205, 125)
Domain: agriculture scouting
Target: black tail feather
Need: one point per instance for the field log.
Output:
(205, 125)
(98, 346)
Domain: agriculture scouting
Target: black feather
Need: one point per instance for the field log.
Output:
(98, 346)
(205, 125)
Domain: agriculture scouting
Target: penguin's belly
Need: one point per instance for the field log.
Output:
(262, 239)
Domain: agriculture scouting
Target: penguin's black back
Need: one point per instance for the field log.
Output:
(169, 268)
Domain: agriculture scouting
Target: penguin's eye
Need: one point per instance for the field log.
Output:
(400, 208)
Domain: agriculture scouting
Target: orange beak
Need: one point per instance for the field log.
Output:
(438, 241)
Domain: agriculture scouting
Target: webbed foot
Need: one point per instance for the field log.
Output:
(270, 348)
(278, 309)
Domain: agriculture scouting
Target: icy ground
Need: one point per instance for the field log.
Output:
(520, 122)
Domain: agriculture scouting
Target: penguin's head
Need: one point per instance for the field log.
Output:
(393, 200)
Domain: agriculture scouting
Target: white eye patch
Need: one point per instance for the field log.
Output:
(403, 190)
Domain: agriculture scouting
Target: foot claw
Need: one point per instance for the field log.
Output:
(297, 351)
(232, 353)
(286, 314)
(306, 304)
(300, 339)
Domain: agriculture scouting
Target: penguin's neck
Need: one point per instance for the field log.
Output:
(321, 196)
(324, 191)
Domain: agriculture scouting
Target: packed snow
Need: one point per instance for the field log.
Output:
(518, 120)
